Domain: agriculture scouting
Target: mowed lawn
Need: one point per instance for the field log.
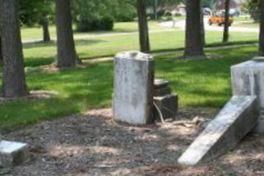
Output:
(124, 37)
(203, 83)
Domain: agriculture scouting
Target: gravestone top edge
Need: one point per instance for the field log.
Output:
(136, 55)
(251, 64)
(258, 58)
(160, 83)
(8, 147)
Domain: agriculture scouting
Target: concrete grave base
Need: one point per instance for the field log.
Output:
(168, 105)
(12, 153)
(235, 120)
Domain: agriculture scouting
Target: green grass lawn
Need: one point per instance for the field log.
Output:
(199, 83)
(31, 33)
(202, 83)
(90, 45)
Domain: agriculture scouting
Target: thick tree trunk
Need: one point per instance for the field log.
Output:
(193, 35)
(45, 28)
(261, 33)
(65, 44)
(143, 26)
(226, 25)
(14, 84)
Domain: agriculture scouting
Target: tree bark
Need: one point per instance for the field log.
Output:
(226, 25)
(143, 26)
(193, 35)
(14, 83)
(45, 28)
(261, 33)
(155, 9)
(1, 55)
(65, 44)
(202, 27)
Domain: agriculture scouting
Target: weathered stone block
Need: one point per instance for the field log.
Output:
(168, 106)
(12, 153)
(133, 88)
(248, 79)
(160, 83)
(235, 120)
(162, 91)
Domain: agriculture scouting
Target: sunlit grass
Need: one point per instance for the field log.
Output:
(204, 83)
(98, 46)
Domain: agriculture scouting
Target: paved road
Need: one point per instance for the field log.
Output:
(181, 24)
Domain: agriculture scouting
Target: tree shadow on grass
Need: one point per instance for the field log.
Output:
(79, 42)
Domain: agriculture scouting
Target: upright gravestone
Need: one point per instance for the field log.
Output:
(248, 79)
(133, 88)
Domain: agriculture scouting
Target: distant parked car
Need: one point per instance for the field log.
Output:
(219, 20)
(207, 11)
(234, 12)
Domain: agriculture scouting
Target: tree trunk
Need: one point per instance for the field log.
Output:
(143, 26)
(14, 84)
(45, 27)
(226, 25)
(155, 8)
(65, 44)
(193, 35)
(202, 28)
(1, 55)
(261, 33)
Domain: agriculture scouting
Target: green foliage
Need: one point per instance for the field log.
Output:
(123, 10)
(100, 14)
(105, 23)
(32, 12)
(253, 8)
(91, 15)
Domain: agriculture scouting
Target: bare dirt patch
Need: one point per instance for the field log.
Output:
(93, 144)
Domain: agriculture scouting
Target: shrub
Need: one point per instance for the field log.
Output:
(95, 24)
(125, 13)
(106, 23)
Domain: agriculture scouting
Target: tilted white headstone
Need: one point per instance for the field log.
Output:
(133, 88)
(248, 79)
(12, 153)
(234, 121)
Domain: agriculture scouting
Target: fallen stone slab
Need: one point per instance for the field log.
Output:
(12, 153)
(234, 121)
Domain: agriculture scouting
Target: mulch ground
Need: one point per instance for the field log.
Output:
(93, 144)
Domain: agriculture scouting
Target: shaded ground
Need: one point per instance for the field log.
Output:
(94, 145)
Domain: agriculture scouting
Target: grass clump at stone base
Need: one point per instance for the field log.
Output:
(203, 83)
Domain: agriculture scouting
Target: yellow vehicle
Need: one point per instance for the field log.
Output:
(219, 20)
